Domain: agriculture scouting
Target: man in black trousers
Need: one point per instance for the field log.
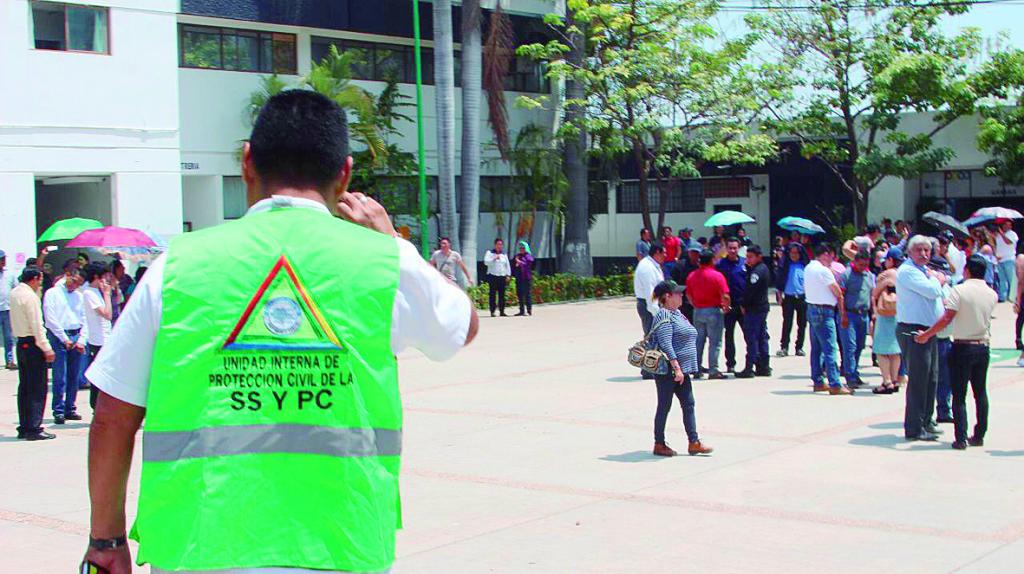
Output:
(34, 352)
(755, 316)
(969, 307)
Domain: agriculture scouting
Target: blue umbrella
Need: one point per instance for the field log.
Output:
(805, 226)
(724, 218)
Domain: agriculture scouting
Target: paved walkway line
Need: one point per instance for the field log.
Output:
(1001, 536)
(47, 522)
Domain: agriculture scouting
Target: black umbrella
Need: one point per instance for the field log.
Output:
(946, 222)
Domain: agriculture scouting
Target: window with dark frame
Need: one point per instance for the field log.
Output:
(70, 27)
(378, 62)
(215, 48)
(684, 195)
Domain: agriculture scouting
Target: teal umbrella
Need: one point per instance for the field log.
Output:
(728, 218)
(805, 226)
(68, 229)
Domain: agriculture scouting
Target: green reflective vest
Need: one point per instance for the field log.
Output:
(273, 421)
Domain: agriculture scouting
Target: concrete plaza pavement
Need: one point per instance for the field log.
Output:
(530, 452)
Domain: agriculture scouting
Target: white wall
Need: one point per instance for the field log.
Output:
(615, 235)
(887, 200)
(67, 113)
(17, 217)
(202, 201)
(148, 201)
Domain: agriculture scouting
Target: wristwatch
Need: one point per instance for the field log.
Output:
(108, 543)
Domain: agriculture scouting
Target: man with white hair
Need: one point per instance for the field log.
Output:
(918, 307)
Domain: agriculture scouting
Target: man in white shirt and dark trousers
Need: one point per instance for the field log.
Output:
(64, 316)
(498, 271)
(823, 297)
(1006, 253)
(649, 272)
(99, 312)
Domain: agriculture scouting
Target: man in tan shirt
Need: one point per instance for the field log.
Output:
(34, 352)
(969, 307)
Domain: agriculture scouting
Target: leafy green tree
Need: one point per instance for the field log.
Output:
(1001, 133)
(853, 68)
(649, 61)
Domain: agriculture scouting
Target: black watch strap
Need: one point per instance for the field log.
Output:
(108, 543)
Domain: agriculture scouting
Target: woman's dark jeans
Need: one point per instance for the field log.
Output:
(667, 387)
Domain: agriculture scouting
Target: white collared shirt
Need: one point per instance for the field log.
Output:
(646, 277)
(497, 264)
(64, 311)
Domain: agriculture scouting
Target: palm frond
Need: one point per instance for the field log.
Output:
(498, 51)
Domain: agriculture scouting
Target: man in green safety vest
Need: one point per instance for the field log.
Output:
(261, 354)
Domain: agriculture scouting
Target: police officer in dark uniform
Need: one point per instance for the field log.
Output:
(755, 315)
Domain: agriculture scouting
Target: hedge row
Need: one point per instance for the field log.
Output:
(560, 287)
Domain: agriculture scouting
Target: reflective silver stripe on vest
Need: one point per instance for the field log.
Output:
(264, 439)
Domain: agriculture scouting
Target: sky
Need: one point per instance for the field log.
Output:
(991, 19)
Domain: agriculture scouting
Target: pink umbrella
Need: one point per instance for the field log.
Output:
(112, 238)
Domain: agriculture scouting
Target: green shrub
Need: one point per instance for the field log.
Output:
(560, 287)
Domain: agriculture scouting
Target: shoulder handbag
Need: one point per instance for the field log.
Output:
(644, 358)
(885, 305)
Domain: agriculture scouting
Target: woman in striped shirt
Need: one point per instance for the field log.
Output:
(677, 338)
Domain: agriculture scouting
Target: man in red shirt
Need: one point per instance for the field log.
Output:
(708, 292)
(673, 246)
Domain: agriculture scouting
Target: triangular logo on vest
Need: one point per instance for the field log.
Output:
(282, 316)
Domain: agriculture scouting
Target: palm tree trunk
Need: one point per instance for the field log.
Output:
(471, 91)
(576, 257)
(444, 89)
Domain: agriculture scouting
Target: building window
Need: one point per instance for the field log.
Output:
(527, 75)
(236, 49)
(70, 27)
(684, 196)
(726, 187)
(235, 199)
(379, 62)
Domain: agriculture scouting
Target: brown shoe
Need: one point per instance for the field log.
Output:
(839, 391)
(662, 449)
(699, 448)
(820, 388)
(12, 367)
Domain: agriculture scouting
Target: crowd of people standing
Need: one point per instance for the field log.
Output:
(54, 327)
(926, 303)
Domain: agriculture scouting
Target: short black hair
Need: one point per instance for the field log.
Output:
(115, 264)
(32, 261)
(497, 239)
(440, 239)
(69, 264)
(655, 248)
(977, 266)
(755, 249)
(824, 247)
(642, 229)
(863, 254)
(82, 256)
(732, 240)
(706, 257)
(300, 139)
(30, 273)
(873, 228)
(93, 271)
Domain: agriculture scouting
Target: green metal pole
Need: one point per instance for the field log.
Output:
(424, 201)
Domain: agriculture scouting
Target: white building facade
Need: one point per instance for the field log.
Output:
(132, 112)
